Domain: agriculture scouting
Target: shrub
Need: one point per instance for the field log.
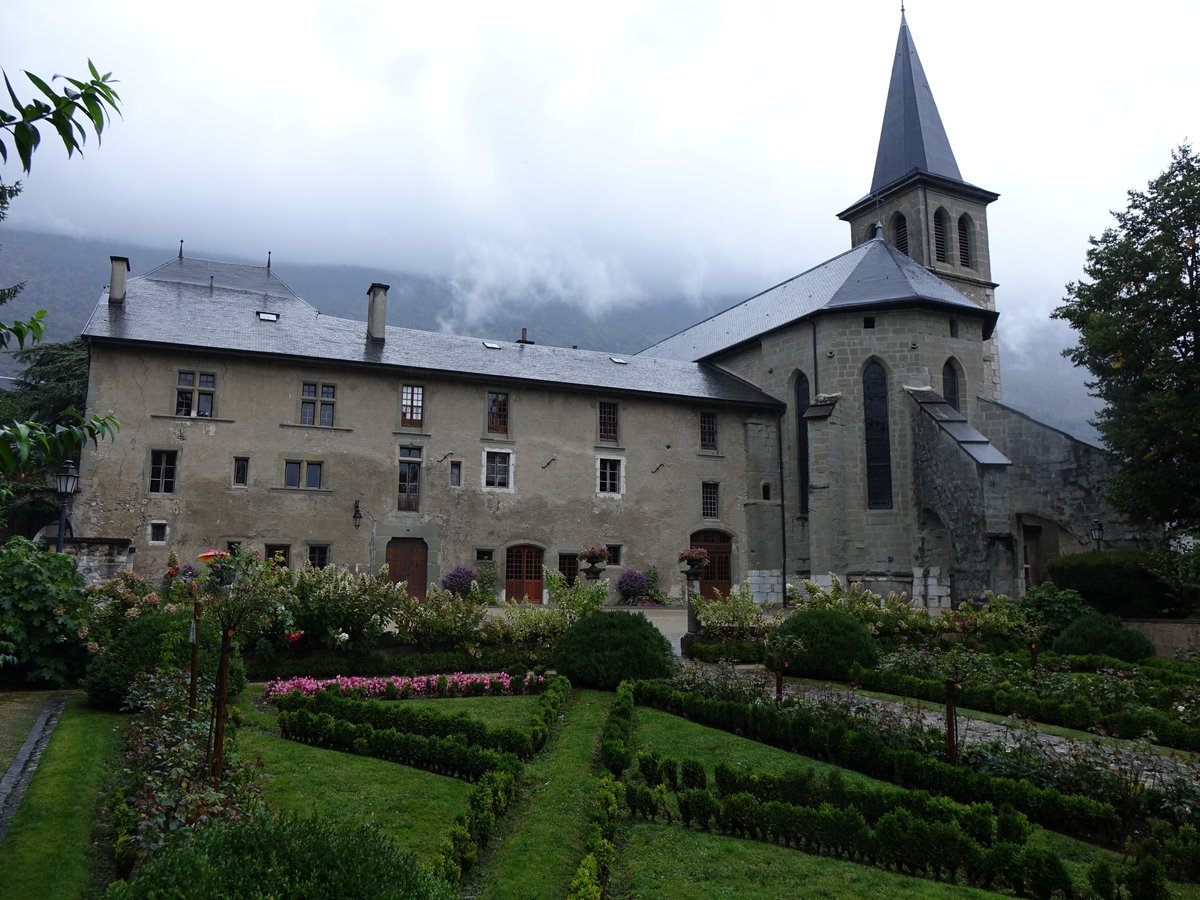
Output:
(285, 856)
(1105, 635)
(42, 616)
(821, 643)
(459, 580)
(1053, 607)
(1119, 582)
(606, 648)
(151, 640)
(733, 617)
(892, 619)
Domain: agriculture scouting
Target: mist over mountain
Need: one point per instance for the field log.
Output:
(66, 275)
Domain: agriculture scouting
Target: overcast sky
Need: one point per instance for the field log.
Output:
(607, 153)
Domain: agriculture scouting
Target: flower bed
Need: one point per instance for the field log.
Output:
(459, 684)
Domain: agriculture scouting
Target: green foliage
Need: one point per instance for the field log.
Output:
(1098, 633)
(285, 856)
(821, 643)
(891, 620)
(43, 617)
(615, 751)
(150, 640)
(442, 618)
(1119, 582)
(732, 617)
(540, 626)
(605, 648)
(1179, 570)
(53, 379)
(1053, 608)
(1135, 319)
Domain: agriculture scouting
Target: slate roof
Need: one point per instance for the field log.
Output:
(912, 137)
(198, 304)
(873, 274)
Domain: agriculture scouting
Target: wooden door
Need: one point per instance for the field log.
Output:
(407, 559)
(718, 574)
(523, 573)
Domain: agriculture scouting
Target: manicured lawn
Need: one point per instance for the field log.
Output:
(50, 850)
(496, 712)
(663, 862)
(413, 807)
(543, 841)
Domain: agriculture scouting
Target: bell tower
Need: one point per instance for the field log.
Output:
(919, 197)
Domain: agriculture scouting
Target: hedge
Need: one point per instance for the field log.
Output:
(373, 664)
(738, 651)
(864, 751)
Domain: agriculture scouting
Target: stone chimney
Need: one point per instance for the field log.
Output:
(525, 337)
(377, 310)
(120, 275)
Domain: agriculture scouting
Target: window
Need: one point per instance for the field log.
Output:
(280, 554)
(614, 554)
(709, 499)
(950, 383)
(497, 413)
(610, 476)
(302, 474)
(766, 492)
(497, 469)
(568, 565)
(608, 422)
(878, 442)
(316, 403)
(868, 321)
(158, 532)
(900, 233)
(941, 224)
(485, 556)
(412, 406)
(194, 393)
(162, 471)
(964, 241)
(233, 546)
(318, 555)
(409, 488)
(455, 473)
(241, 470)
(708, 430)
(803, 398)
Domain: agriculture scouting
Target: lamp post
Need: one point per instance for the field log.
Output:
(1096, 533)
(359, 512)
(66, 479)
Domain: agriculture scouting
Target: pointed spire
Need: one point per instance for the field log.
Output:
(912, 138)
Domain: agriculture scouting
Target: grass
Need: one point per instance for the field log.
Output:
(671, 863)
(18, 711)
(413, 807)
(495, 712)
(675, 737)
(543, 843)
(49, 850)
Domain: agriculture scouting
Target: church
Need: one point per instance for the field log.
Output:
(847, 422)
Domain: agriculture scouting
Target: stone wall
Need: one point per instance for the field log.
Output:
(1169, 635)
(99, 559)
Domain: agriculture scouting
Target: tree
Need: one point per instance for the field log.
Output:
(71, 112)
(1138, 316)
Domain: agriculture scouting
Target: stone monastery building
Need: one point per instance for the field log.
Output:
(846, 421)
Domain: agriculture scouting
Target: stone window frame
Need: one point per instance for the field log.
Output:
(498, 409)
(610, 476)
(195, 394)
(710, 500)
(306, 472)
(412, 405)
(408, 478)
(877, 435)
(164, 472)
(710, 433)
(318, 404)
(608, 422)
(491, 460)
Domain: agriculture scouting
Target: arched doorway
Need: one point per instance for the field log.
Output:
(523, 573)
(718, 574)
(407, 560)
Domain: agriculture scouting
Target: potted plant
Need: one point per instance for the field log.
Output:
(594, 555)
(694, 558)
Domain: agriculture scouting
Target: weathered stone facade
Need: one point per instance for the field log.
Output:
(846, 422)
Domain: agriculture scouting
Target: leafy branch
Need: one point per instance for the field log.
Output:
(91, 100)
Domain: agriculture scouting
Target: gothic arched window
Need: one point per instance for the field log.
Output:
(941, 225)
(950, 384)
(803, 399)
(878, 442)
(900, 233)
(964, 240)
